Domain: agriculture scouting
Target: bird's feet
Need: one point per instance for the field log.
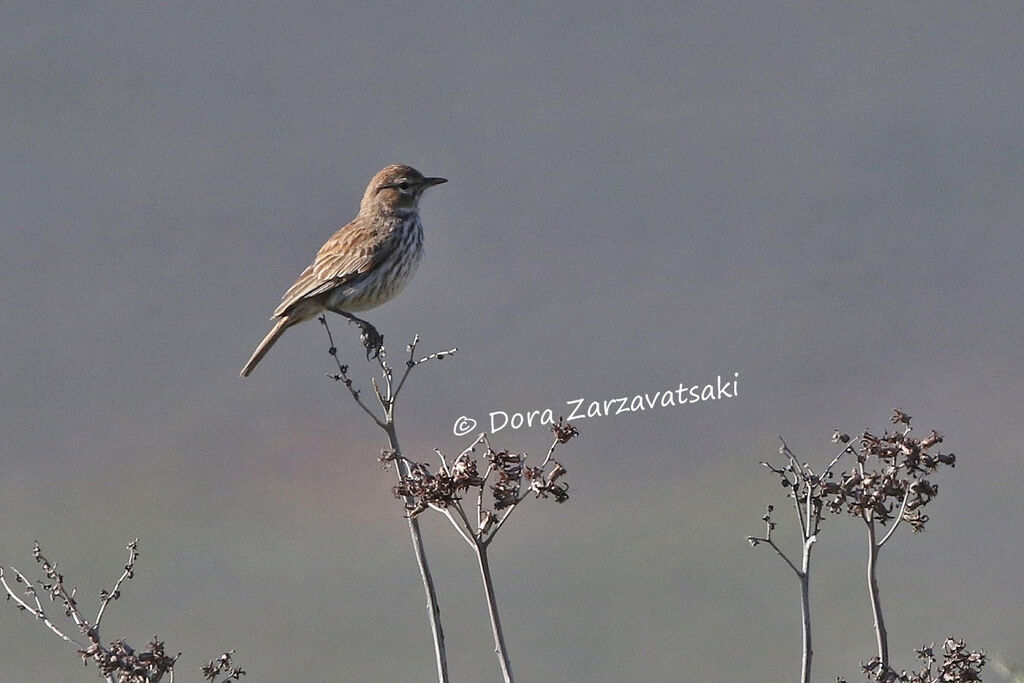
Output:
(371, 338)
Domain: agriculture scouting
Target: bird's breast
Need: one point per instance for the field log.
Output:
(387, 277)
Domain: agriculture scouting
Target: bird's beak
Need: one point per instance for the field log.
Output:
(430, 182)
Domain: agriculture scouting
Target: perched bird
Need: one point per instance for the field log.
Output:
(362, 265)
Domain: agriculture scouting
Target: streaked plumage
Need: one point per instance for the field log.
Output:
(365, 263)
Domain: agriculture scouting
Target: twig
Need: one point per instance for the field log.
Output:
(899, 517)
(468, 538)
(342, 374)
(115, 593)
(36, 611)
(118, 662)
(386, 397)
(805, 488)
(768, 540)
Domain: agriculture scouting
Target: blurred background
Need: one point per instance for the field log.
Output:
(825, 199)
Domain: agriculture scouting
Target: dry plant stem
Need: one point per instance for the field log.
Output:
(881, 636)
(115, 592)
(885, 488)
(485, 540)
(446, 491)
(874, 594)
(433, 609)
(479, 532)
(448, 514)
(387, 402)
(492, 608)
(805, 610)
(480, 539)
(808, 530)
(899, 517)
(810, 524)
(803, 574)
(809, 518)
(37, 610)
(94, 649)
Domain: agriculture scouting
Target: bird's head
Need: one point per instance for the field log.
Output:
(397, 188)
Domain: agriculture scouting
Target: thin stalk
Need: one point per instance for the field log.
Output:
(492, 608)
(881, 636)
(899, 516)
(805, 610)
(433, 609)
(387, 404)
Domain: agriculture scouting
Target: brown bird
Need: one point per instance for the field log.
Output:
(362, 265)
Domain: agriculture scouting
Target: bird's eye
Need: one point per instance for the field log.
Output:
(404, 185)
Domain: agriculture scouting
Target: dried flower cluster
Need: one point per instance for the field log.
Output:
(886, 484)
(959, 665)
(439, 489)
(506, 476)
(889, 478)
(564, 431)
(124, 665)
(543, 484)
(117, 662)
(505, 481)
(223, 665)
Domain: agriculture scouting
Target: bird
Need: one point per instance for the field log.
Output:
(364, 264)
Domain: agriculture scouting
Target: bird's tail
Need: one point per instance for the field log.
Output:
(268, 341)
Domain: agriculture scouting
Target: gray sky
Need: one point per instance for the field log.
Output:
(823, 198)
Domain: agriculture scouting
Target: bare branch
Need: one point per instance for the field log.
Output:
(115, 592)
(899, 517)
(36, 611)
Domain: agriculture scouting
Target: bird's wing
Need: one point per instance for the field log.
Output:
(339, 261)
